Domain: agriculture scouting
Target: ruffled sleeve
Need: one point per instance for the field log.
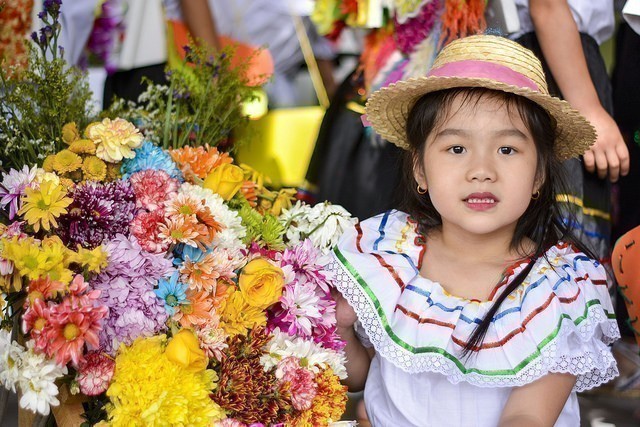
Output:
(559, 320)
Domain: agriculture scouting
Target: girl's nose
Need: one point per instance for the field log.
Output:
(481, 168)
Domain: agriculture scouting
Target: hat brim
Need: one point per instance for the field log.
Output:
(388, 108)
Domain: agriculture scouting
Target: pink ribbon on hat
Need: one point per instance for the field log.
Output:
(486, 70)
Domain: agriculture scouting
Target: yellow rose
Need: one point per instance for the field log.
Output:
(261, 283)
(225, 180)
(184, 349)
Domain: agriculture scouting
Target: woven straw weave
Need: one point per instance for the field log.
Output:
(388, 108)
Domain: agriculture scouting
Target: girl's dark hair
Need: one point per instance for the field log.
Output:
(542, 222)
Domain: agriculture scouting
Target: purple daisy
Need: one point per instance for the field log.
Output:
(303, 260)
(98, 212)
(12, 187)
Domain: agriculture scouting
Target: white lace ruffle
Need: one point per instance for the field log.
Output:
(590, 360)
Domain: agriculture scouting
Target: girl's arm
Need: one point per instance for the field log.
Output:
(560, 42)
(358, 356)
(539, 403)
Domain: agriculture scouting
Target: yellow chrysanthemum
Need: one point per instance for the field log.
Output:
(148, 389)
(34, 260)
(3, 302)
(47, 165)
(114, 139)
(66, 161)
(328, 405)
(94, 169)
(93, 260)
(83, 146)
(42, 206)
(70, 133)
(237, 316)
(113, 171)
(67, 183)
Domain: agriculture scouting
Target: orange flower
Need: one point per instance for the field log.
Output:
(198, 161)
(45, 288)
(201, 275)
(181, 229)
(184, 205)
(193, 210)
(197, 311)
(249, 191)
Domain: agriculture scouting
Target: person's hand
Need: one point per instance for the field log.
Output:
(345, 315)
(609, 155)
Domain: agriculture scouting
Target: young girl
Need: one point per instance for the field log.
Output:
(474, 307)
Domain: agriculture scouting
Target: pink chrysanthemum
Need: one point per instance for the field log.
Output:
(95, 373)
(298, 311)
(146, 228)
(212, 340)
(34, 321)
(74, 322)
(153, 188)
(302, 386)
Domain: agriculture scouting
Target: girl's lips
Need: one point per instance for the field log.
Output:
(481, 201)
(481, 196)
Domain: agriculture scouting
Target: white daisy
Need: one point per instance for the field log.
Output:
(316, 357)
(11, 354)
(37, 382)
(329, 221)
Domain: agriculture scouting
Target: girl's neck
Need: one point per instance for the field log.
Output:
(491, 248)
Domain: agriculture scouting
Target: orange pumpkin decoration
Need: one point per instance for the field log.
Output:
(626, 267)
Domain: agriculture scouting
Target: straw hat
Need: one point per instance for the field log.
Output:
(480, 61)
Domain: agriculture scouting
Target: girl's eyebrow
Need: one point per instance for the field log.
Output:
(511, 132)
(466, 133)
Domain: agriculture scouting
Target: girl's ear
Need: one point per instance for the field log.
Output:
(418, 173)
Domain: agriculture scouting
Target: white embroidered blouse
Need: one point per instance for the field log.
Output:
(559, 320)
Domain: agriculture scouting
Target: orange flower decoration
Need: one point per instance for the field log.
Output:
(198, 311)
(182, 229)
(201, 275)
(250, 192)
(198, 161)
(189, 209)
(45, 288)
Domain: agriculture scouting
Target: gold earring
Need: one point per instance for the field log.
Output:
(536, 195)
(421, 191)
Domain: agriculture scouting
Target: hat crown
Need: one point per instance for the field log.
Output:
(495, 50)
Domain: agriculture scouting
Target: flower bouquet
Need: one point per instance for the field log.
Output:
(164, 297)
(160, 283)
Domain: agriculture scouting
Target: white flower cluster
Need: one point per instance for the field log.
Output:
(323, 223)
(33, 373)
(316, 357)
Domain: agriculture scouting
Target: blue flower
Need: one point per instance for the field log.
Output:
(182, 252)
(149, 156)
(171, 292)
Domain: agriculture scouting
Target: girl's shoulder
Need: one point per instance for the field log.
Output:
(560, 319)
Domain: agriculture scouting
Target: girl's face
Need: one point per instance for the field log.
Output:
(479, 167)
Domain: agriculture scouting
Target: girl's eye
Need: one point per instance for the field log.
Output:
(506, 150)
(456, 149)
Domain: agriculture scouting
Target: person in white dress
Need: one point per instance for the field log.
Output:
(474, 305)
